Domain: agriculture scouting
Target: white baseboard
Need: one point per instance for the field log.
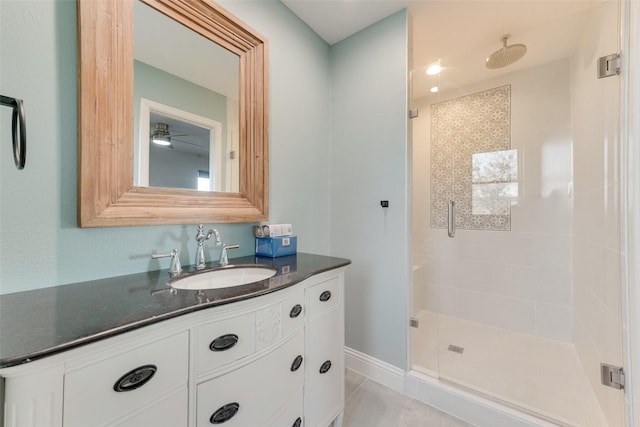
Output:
(374, 369)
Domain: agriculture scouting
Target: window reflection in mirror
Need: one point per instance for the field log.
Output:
(187, 87)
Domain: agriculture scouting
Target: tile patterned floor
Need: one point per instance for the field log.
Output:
(369, 404)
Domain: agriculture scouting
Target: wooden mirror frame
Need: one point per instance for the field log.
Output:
(107, 196)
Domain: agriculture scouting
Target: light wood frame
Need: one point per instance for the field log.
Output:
(106, 194)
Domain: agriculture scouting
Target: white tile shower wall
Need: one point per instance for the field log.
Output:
(595, 239)
(518, 279)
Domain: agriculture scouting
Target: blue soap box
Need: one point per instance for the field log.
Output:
(276, 246)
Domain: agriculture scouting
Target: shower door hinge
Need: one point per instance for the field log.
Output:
(413, 322)
(413, 113)
(609, 65)
(612, 376)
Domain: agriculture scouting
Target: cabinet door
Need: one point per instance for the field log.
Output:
(252, 394)
(109, 390)
(324, 370)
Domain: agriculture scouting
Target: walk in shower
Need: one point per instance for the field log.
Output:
(516, 197)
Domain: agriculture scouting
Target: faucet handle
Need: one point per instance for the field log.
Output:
(224, 257)
(175, 267)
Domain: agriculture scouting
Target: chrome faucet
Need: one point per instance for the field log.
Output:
(201, 238)
(175, 267)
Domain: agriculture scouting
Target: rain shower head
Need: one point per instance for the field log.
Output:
(507, 55)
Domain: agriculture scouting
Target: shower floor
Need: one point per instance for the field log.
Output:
(537, 375)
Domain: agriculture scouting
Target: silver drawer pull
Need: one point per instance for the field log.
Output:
(135, 378)
(325, 367)
(296, 363)
(225, 413)
(325, 296)
(224, 342)
(295, 311)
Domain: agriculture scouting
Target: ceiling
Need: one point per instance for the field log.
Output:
(335, 20)
(459, 34)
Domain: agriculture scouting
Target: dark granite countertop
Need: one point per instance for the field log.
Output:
(38, 323)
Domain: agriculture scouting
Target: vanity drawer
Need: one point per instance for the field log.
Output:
(323, 297)
(224, 341)
(168, 412)
(110, 389)
(253, 394)
(291, 413)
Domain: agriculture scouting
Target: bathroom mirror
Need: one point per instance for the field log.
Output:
(107, 193)
(185, 97)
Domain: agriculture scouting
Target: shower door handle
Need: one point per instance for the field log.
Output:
(451, 225)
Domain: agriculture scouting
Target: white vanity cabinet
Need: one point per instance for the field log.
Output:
(274, 360)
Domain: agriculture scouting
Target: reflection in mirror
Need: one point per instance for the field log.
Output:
(187, 88)
(178, 148)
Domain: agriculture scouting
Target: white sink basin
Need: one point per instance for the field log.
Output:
(224, 277)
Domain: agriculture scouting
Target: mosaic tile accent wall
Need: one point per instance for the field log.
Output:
(471, 160)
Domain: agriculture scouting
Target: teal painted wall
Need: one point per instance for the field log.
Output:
(40, 244)
(338, 136)
(368, 164)
(300, 119)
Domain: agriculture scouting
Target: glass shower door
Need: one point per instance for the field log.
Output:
(424, 295)
(525, 297)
